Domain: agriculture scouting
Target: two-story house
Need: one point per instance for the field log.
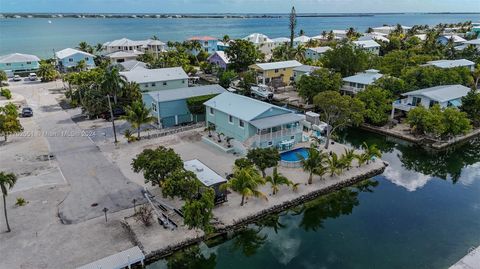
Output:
(316, 53)
(368, 45)
(208, 43)
(358, 82)
(445, 64)
(262, 42)
(69, 58)
(445, 96)
(18, 62)
(253, 123)
(157, 79)
(276, 73)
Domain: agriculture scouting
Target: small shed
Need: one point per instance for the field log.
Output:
(208, 178)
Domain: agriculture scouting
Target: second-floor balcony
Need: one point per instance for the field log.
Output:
(351, 89)
(402, 104)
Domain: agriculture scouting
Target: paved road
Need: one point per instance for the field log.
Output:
(95, 182)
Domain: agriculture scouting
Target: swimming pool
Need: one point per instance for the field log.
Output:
(294, 155)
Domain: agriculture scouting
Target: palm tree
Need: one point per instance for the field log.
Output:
(351, 33)
(276, 180)
(137, 114)
(98, 47)
(7, 180)
(81, 65)
(83, 46)
(371, 151)
(314, 161)
(299, 52)
(112, 82)
(362, 158)
(226, 39)
(245, 181)
(347, 158)
(334, 165)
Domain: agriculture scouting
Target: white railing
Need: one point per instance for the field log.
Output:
(282, 134)
(351, 89)
(402, 104)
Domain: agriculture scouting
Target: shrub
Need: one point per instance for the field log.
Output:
(6, 93)
(145, 215)
(21, 201)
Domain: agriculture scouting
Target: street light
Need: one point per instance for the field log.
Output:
(105, 212)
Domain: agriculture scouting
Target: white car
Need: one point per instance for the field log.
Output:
(32, 76)
(17, 78)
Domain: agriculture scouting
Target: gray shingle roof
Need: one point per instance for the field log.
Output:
(442, 93)
(187, 92)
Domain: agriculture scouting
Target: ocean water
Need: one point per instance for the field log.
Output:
(38, 36)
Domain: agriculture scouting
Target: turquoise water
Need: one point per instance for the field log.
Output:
(39, 37)
(294, 155)
(422, 212)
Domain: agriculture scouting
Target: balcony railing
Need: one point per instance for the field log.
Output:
(278, 135)
(402, 104)
(351, 89)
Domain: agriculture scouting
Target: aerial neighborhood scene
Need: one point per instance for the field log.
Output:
(239, 134)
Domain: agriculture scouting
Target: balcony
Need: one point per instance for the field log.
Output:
(283, 134)
(353, 90)
(402, 104)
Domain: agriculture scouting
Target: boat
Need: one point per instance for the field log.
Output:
(262, 92)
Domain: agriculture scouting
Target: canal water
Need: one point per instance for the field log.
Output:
(422, 212)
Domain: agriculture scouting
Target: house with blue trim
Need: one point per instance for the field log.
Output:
(18, 62)
(253, 123)
(157, 79)
(170, 108)
(69, 58)
(208, 43)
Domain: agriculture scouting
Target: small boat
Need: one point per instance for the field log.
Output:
(49, 21)
(262, 92)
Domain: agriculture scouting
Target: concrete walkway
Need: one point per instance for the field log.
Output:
(470, 261)
(95, 182)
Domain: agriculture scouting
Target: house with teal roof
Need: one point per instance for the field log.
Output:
(253, 123)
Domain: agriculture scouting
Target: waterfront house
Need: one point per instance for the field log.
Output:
(69, 58)
(122, 56)
(374, 36)
(276, 74)
(452, 64)
(368, 45)
(445, 96)
(18, 62)
(339, 34)
(219, 59)
(358, 82)
(316, 53)
(130, 65)
(134, 46)
(170, 108)
(386, 29)
(302, 70)
(222, 46)
(253, 123)
(455, 39)
(157, 79)
(473, 42)
(262, 42)
(208, 43)
(300, 40)
(277, 42)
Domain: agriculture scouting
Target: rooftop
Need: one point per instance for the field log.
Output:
(451, 63)
(277, 120)
(370, 43)
(365, 78)
(257, 38)
(125, 42)
(132, 64)
(306, 68)
(141, 75)
(442, 93)
(456, 38)
(207, 176)
(184, 93)
(277, 65)
(203, 38)
(222, 55)
(281, 39)
(320, 49)
(123, 54)
(69, 52)
(242, 107)
(119, 260)
(302, 38)
(18, 57)
(473, 42)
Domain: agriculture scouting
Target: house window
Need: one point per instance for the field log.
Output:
(212, 112)
(432, 103)
(86, 59)
(70, 59)
(164, 83)
(241, 123)
(230, 119)
(146, 85)
(276, 70)
(8, 64)
(183, 81)
(154, 107)
(29, 62)
(153, 84)
(416, 101)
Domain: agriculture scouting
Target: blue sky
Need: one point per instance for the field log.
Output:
(239, 6)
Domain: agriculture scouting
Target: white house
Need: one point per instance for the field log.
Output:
(368, 45)
(157, 79)
(445, 96)
(303, 39)
(358, 82)
(316, 53)
(474, 42)
(134, 46)
(262, 42)
(123, 56)
(374, 36)
(452, 64)
(280, 41)
(457, 40)
(387, 29)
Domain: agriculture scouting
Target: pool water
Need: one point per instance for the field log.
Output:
(294, 155)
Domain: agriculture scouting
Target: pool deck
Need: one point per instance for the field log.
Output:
(470, 261)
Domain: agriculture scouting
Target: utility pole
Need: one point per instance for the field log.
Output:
(105, 211)
(113, 120)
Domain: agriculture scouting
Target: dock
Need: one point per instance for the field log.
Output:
(470, 261)
(120, 260)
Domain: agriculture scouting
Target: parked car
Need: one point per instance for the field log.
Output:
(27, 112)
(32, 76)
(17, 78)
(117, 112)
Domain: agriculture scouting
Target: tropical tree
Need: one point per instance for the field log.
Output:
(276, 180)
(347, 158)
(339, 111)
(318, 81)
(3, 77)
(85, 47)
(198, 212)
(112, 82)
(157, 164)
(81, 65)
(334, 164)
(181, 183)
(314, 163)
(345, 59)
(378, 104)
(9, 123)
(299, 52)
(292, 25)
(225, 78)
(241, 54)
(471, 106)
(138, 114)
(243, 163)
(7, 180)
(371, 151)
(264, 158)
(245, 181)
(47, 71)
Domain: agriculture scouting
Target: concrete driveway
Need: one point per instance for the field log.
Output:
(95, 182)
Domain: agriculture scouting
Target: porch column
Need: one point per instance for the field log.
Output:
(393, 113)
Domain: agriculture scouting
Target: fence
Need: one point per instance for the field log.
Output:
(174, 130)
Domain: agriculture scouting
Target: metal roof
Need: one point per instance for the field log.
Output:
(455, 38)
(117, 261)
(281, 39)
(277, 65)
(320, 49)
(222, 55)
(203, 38)
(306, 68)
(184, 93)
(370, 43)
(207, 176)
(125, 42)
(62, 54)
(141, 75)
(302, 38)
(257, 38)
(442, 93)
(366, 78)
(451, 63)
(18, 57)
(273, 121)
(242, 107)
(123, 54)
(132, 64)
(473, 42)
